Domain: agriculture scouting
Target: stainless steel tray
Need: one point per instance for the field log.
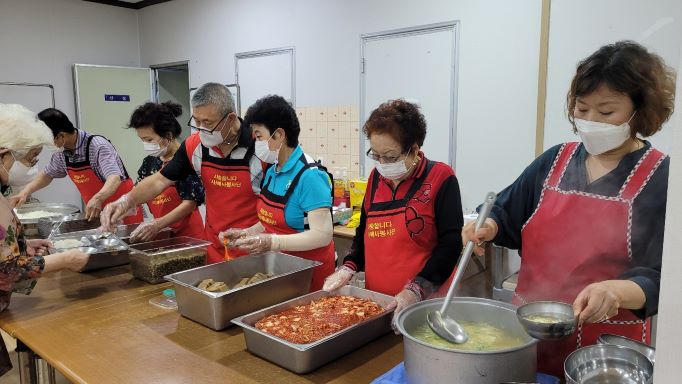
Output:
(31, 225)
(104, 252)
(303, 358)
(291, 278)
(65, 224)
(152, 261)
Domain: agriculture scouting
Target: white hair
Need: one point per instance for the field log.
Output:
(21, 130)
(214, 94)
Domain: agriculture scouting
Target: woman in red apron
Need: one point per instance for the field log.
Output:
(588, 217)
(176, 206)
(409, 237)
(294, 190)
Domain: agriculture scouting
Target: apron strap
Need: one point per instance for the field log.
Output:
(556, 173)
(297, 178)
(641, 174)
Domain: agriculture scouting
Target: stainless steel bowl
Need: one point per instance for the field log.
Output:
(623, 341)
(564, 325)
(607, 364)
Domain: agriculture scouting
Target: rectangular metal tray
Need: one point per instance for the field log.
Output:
(31, 225)
(104, 253)
(71, 223)
(303, 358)
(153, 260)
(291, 278)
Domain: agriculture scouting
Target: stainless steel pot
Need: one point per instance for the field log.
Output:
(425, 363)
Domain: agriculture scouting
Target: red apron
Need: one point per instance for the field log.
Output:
(88, 183)
(393, 258)
(230, 200)
(190, 225)
(574, 239)
(271, 214)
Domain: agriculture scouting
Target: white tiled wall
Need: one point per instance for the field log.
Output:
(332, 134)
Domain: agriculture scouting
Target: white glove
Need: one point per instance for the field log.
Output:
(145, 231)
(113, 214)
(338, 279)
(232, 235)
(404, 299)
(255, 244)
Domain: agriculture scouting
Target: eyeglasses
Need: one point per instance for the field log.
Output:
(198, 128)
(386, 159)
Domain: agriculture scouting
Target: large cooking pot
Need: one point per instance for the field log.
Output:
(429, 364)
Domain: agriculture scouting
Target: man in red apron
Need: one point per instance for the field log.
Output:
(221, 153)
(409, 236)
(90, 184)
(90, 161)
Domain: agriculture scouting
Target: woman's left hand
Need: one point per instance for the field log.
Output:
(255, 244)
(38, 246)
(596, 302)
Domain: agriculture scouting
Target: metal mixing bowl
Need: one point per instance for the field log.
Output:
(607, 364)
(564, 325)
(623, 341)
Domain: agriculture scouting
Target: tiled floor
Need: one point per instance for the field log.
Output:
(12, 377)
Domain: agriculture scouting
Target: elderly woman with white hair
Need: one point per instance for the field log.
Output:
(22, 137)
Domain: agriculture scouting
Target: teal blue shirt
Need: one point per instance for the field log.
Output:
(313, 191)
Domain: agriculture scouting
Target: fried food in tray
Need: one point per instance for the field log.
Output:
(211, 285)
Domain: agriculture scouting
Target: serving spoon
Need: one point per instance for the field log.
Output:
(439, 321)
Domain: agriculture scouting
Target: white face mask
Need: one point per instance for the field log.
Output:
(393, 171)
(154, 149)
(19, 174)
(212, 139)
(602, 137)
(264, 153)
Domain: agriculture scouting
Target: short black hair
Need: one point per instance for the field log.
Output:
(275, 112)
(57, 121)
(160, 117)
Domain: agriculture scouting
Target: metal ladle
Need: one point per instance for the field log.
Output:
(439, 321)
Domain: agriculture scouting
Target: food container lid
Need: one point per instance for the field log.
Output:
(174, 244)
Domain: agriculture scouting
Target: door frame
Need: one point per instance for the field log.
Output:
(453, 26)
(269, 52)
(22, 84)
(168, 66)
(76, 92)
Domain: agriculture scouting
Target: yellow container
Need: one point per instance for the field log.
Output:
(357, 192)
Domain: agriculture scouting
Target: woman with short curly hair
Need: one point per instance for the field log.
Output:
(588, 218)
(409, 238)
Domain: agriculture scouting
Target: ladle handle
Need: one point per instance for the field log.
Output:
(468, 250)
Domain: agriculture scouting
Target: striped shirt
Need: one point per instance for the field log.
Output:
(103, 157)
